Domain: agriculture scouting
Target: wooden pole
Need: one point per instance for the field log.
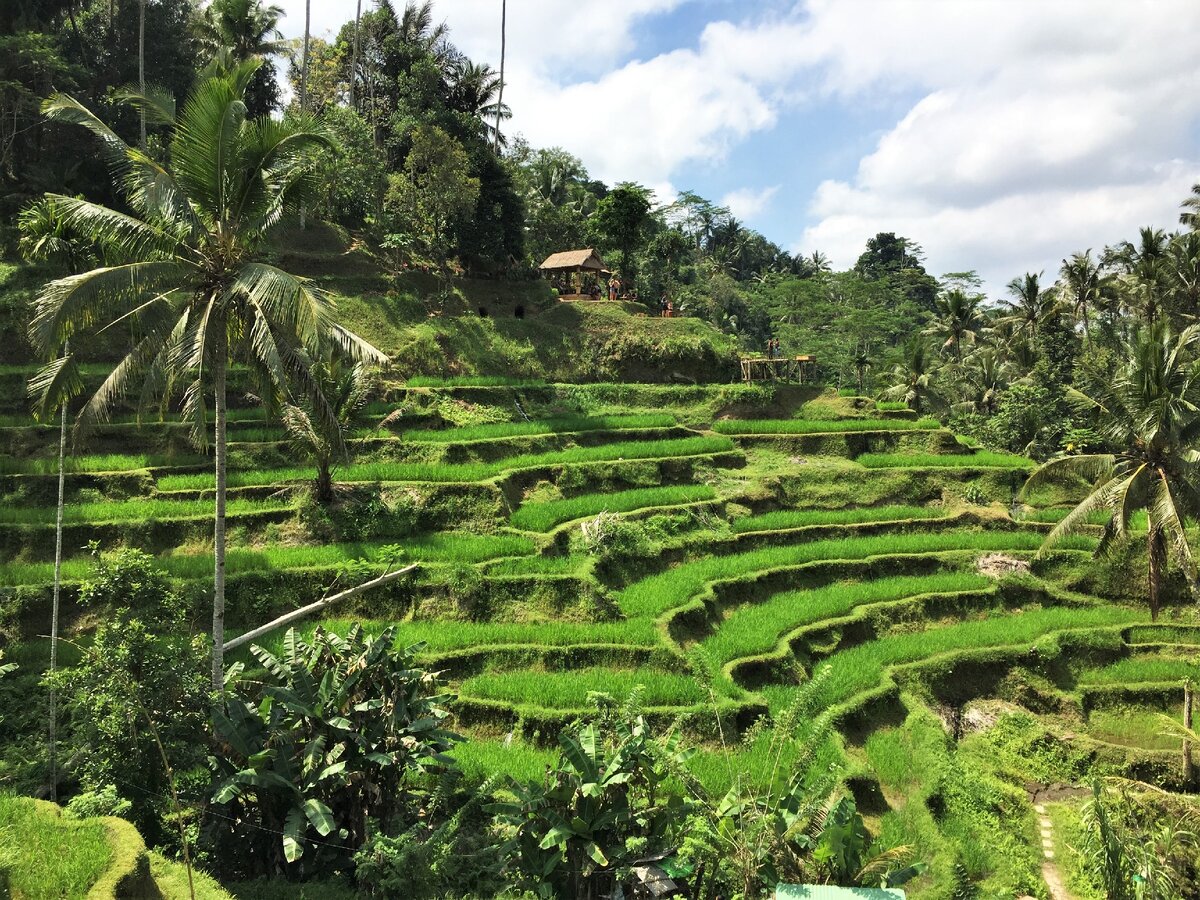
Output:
(288, 618)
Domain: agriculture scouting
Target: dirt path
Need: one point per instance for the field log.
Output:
(1050, 872)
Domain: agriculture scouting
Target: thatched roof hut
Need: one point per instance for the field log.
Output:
(574, 261)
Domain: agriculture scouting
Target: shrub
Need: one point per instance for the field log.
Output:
(330, 737)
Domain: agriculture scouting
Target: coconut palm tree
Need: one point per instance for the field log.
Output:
(1191, 209)
(956, 319)
(913, 377)
(988, 373)
(345, 388)
(248, 29)
(183, 271)
(475, 90)
(1148, 415)
(1029, 309)
(1082, 280)
(500, 92)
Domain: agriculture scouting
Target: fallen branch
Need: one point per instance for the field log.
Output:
(288, 618)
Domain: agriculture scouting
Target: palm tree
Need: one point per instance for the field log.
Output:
(1191, 209)
(989, 373)
(474, 90)
(957, 318)
(183, 271)
(914, 377)
(1082, 282)
(142, 70)
(248, 29)
(354, 53)
(1148, 415)
(1030, 307)
(345, 390)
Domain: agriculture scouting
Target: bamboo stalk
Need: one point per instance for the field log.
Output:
(296, 614)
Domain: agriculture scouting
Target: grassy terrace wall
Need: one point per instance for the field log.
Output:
(763, 534)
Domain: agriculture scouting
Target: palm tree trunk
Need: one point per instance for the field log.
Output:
(354, 55)
(218, 657)
(1158, 563)
(58, 538)
(304, 83)
(500, 92)
(142, 68)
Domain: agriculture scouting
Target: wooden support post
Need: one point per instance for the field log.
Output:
(1188, 768)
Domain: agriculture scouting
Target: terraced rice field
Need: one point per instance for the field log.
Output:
(725, 589)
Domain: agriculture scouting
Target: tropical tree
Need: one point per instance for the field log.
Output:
(344, 390)
(1030, 308)
(184, 272)
(1191, 209)
(1082, 281)
(1148, 416)
(913, 376)
(475, 90)
(988, 374)
(956, 319)
(248, 29)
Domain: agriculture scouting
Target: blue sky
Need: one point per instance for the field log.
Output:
(1002, 135)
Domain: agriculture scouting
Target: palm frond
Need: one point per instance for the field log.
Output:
(1091, 467)
(78, 302)
(66, 109)
(53, 385)
(122, 236)
(1100, 498)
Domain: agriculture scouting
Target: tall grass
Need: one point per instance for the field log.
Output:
(862, 667)
(820, 426)
(569, 690)
(801, 518)
(1164, 634)
(1137, 669)
(45, 855)
(658, 593)
(984, 459)
(757, 628)
(464, 472)
(544, 516)
(538, 565)
(563, 425)
(457, 548)
(140, 509)
(483, 759)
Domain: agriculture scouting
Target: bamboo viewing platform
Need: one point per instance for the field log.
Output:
(778, 368)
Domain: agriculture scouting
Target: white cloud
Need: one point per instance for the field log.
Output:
(746, 203)
(1040, 130)
(1033, 129)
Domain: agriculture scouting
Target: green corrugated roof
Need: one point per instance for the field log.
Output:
(824, 892)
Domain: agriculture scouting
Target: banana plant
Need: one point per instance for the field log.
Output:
(576, 833)
(327, 739)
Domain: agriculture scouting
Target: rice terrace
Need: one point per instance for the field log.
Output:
(392, 508)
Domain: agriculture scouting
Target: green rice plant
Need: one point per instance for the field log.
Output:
(483, 759)
(463, 472)
(984, 459)
(862, 667)
(43, 854)
(1143, 668)
(441, 637)
(891, 405)
(757, 628)
(801, 518)
(544, 516)
(461, 548)
(96, 463)
(1132, 726)
(139, 509)
(820, 426)
(564, 425)
(656, 594)
(432, 381)
(569, 690)
(1164, 634)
